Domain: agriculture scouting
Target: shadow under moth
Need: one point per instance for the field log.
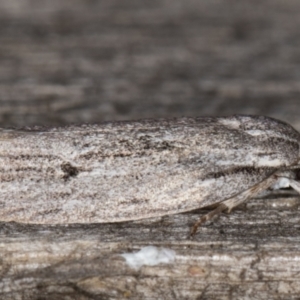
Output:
(121, 171)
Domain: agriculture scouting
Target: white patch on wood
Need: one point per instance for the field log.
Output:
(149, 256)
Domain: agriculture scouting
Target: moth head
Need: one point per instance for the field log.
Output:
(288, 179)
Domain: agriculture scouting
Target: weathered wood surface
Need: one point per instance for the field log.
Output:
(251, 254)
(89, 61)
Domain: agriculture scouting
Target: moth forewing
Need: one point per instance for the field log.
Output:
(124, 171)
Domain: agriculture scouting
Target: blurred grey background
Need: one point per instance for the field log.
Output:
(80, 61)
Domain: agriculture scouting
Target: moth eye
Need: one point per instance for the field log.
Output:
(297, 174)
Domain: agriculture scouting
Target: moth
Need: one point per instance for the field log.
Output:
(121, 171)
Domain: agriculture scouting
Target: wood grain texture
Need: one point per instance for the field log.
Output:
(254, 253)
(89, 61)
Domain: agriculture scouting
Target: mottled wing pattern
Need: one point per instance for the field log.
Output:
(132, 170)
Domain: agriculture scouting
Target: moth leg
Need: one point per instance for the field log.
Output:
(238, 199)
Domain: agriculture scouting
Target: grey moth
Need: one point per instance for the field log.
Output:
(121, 171)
